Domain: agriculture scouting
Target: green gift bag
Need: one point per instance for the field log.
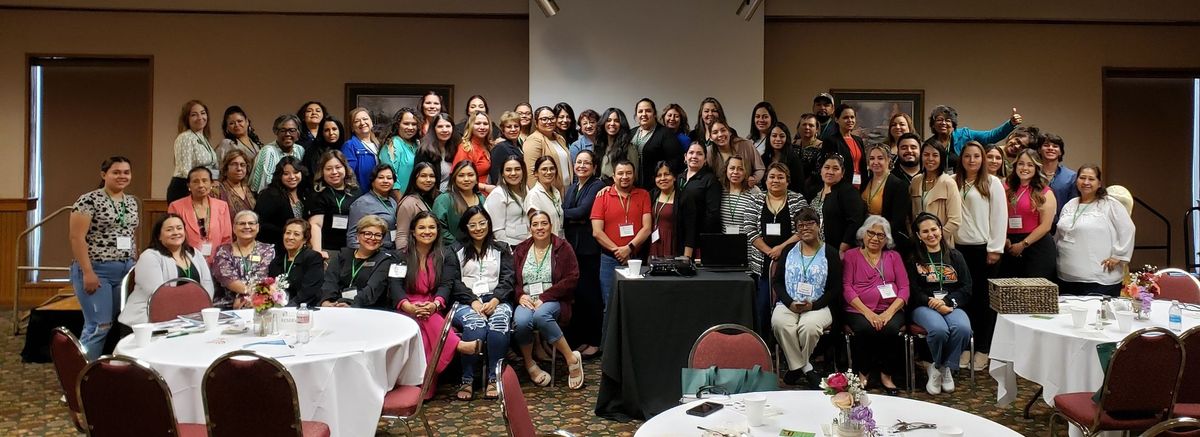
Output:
(1104, 351)
(732, 380)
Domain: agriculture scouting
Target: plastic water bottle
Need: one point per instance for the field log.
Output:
(303, 324)
(1175, 316)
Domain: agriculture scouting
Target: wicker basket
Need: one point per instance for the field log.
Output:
(1023, 296)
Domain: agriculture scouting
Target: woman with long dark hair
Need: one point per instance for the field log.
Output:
(283, 199)
(476, 146)
(613, 144)
(564, 122)
(399, 149)
(654, 143)
(724, 144)
(331, 136)
(431, 108)
(940, 287)
(709, 112)
(762, 118)
(676, 121)
(310, 114)
(935, 192)
(666, 219)
(779, 148)
(239, 135)
(328, 209)
(192, 148)
(167, 257)
(1030, 251)
(438, 148)
(420, 196)
(577, 212)
(485, 292)
(848, 145)
(507, 203)
(451, 204)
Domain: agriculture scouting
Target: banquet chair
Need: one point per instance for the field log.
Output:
(1139, 388)
(908, 353)
(249, 394)
(177, 297)
(1177, 427)
(403, 402)
(1187, 404)
(69, 359)
(780, 360)
(513, 407)
(121, 397)
(126, 289)
(730, 346)
(915, 331)
(1177, 284)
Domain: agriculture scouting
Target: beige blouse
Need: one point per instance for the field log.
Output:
(193, 150)
(942, 200)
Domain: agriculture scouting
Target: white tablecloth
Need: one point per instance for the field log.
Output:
(344, 390)
(807, 410)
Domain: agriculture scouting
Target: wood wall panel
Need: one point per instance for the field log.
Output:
(13, 219)
(152, 210)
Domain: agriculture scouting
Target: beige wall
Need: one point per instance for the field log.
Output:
(1050, 73)
(257, 61)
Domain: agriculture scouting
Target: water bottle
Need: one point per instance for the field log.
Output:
(303, 324)
(1175, 316)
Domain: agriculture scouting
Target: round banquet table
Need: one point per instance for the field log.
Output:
(353, 359)
(808, 410)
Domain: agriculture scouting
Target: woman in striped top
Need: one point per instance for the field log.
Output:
(767, 218)
(736, 200)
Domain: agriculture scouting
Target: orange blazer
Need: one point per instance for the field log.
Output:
(220, 228)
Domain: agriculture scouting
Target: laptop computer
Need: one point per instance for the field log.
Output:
(724, 252)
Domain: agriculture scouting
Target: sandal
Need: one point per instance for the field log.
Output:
(537, 375)
(492, 392)
(465, 392)
(575, 382)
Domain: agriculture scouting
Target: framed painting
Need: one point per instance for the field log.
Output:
(384, 99)
(874, 109)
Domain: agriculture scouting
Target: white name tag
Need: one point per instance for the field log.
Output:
(774, 229)
(216, 174)
(255, 258)
(397, 271)
(732, 229)
(939, 295)
(626, 230)
(535, 290)
(481, 288)
(124, 243)
(1015, 222)
(887, 291)
(857, 179)
(654, 236)
(392, 235)
(340, 222)
(350, 293)
(206, 248)
(805, 290)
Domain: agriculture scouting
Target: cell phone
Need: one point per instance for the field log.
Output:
(703, 410)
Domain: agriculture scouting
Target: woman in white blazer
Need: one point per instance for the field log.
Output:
(168, 257)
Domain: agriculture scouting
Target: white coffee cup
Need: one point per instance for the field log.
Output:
(1079, 315)
(212, 317)
(142, 333)
(949, 431)
(755, 404)
(635, 267)
(1125, 320)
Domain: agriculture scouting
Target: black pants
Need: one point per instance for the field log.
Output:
(1085, 288)
(979, 308)
(873, 350)
(1039, 260)
(178, 189)
(587, 312)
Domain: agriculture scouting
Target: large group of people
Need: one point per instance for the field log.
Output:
(524, 223)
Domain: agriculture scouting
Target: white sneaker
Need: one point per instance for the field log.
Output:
(947, 380)
(964, 360)
(934, 386)
(981, 361)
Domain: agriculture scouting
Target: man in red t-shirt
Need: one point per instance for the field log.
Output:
(620, 223)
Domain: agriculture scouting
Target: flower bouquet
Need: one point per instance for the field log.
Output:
(1142, 288)
(849, 395)
(263, 296)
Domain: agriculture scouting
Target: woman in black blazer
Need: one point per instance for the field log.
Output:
(885, 194)
(363, 277)
(840, 205)
(850, 147)
(282, 200)
(577, 229)
(302, 268)
(657, 143)
(699, 200)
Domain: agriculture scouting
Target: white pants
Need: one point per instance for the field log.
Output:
(797, 334)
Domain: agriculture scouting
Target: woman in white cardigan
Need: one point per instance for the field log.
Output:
(506, 203)
(980, 239)
(168, 257)
(544, 196)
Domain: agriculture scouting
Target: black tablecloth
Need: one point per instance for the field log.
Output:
(41, 324)
(652, 324)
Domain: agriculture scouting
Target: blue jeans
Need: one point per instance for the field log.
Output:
(544, 319)
(948, 334)
(493, 330)
(608, 279)
(100, 307)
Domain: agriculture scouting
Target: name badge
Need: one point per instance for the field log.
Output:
(206, 248)
(805, 290)
(340, 222)
(626, 230)
(480, 288)
(350, 293)
(255, 258)
(774, 229)
(216, 173)
(654, 236)
(1066, 235)
(535, 290)
(732, 229)
(1015, 222)
(857, 179)
(887, 291)
(392, 235)
(124, 243)
(369, 264)
(397, 271)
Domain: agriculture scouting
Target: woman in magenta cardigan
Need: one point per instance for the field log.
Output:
(875, 286)
(545, 291)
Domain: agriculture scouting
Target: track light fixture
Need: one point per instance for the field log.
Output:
(747, 8)
(549, 7)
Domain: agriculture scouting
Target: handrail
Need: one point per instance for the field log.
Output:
(1189, 252)
(20, 269)
(1167, 225)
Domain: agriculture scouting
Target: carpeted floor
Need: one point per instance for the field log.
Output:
(30, 406)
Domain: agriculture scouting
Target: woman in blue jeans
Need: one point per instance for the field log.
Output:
(940, 287)
(101, 235)
(485, 290)
(546, 274)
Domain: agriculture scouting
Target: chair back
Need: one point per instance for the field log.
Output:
(1182, 426)
(1178, 284)
(121, 397)
(512, 403)
(429, 382)
(177, 297)
(249, 394)
(1189, 384)
(730, 346)
(1143, 375)
(69, 360)
(126, 289)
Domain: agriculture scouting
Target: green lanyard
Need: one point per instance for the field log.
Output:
(541, 265)
(804, 265)
(338, 200)
(187, 271)
(938, 270)
(354, 270)
(1079, 212)
(387, 203)
(966, 189)
(288, 267)
(880, 189)
(120, 211)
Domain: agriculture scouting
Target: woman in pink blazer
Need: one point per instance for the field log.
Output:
(205, 219)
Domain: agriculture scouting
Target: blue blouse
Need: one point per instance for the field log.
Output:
(812, 270)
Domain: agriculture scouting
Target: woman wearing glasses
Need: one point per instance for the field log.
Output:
(806, 281)
(206, 219)
(547, 142)
(237, 266)
(359, 277)
(287, 131)
(233, 187)
(875, 288)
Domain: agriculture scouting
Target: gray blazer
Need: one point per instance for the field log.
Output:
(153, 269)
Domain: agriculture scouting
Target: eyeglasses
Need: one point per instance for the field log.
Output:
(370, 235)
(545, 119)
(808, 224)
(203, 229)
(288, 130)
(247, 223)
(477, 225)
(873, 234)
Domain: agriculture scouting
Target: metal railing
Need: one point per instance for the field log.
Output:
(1166, 225)
(20, 271)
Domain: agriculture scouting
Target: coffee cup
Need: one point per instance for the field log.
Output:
(755, 404)
(1125, 320)
(635, 267)
(1079, 315)
(212, 317)
(142, 333)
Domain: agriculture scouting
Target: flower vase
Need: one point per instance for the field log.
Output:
(263, 323)
(1140, 310)
(844, 426)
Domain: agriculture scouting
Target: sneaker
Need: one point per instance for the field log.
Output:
(964, 360)
(934, 386)
(947, 380)
(981, 361)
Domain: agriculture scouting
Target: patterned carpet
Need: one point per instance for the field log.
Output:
(30, 406)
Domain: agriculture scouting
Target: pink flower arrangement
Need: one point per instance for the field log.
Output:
(266, 295)
(1143, 286)
(848, 393)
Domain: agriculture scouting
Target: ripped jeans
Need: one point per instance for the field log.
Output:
(494, 329)
(100, 308)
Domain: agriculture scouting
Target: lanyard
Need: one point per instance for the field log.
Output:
(966, 189)
(878, 265)
(937, 269)
(1079, 212)
(625, 205)
(684, 181)
(337, 199)
(1018, 197)
(657, 210)
(245, 260)
(288, 267)
(805, 265)
(120, 211)
(387, 203)
(354, 270)
(883, 180)
(187, 271)
(541, 265)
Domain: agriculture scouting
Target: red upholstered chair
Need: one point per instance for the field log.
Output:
(513, 407)
(1139, 390)
(249, 394)
(122, 397)
(1178, 285)
(1187, 404)
(69, 359)
(403, 402)
(1177, 427)
(730, 346)
(177, 297)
